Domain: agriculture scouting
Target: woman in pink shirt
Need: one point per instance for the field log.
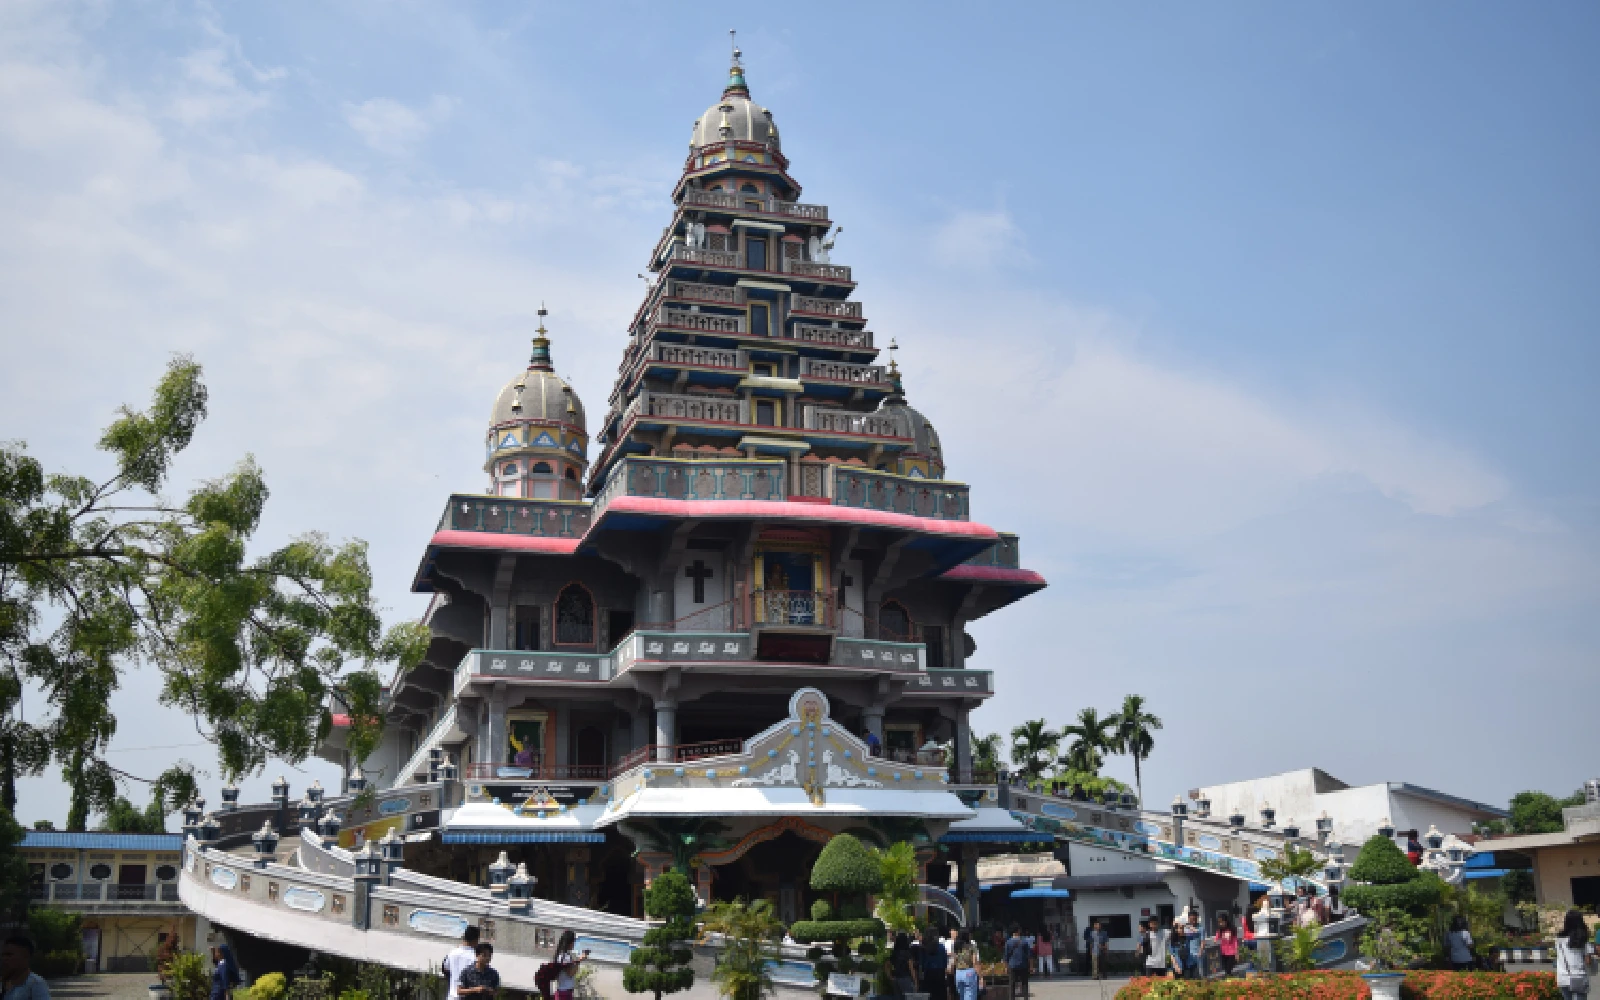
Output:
(1227, 943)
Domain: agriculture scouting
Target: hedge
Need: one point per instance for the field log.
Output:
(809, 931)
(1479, 986)
(1412, 897)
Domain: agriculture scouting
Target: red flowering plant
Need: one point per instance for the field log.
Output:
(1324, 985)
(1426, 985)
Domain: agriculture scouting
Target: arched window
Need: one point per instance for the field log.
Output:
(541, 468)
(749, 189)
(574, 616)
(894, 623)
(572, 475)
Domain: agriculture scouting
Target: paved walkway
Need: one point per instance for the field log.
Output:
(103, 986)
(1075, 988)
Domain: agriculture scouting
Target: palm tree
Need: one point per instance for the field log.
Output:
(1091, 737)
(1135, 735)
(986, 753)
(1033, 745)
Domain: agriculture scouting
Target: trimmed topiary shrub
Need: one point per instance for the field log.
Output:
(1385, 880)
(661, 964)
(848, 867)
(848, 870)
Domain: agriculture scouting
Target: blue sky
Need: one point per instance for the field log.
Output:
(1271, 328)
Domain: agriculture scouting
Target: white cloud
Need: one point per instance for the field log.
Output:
(394, 128)
(970, 239)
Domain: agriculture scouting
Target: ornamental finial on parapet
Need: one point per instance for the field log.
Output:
(540, 358)
(736, 86)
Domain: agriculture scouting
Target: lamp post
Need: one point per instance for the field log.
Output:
(230, 797)
(447, 769)
(308, 811)
(280, 791)
(210, 830)
(1324, 826)
(1291, 829)
(315, 791)
(520, 890)
(1386, 829)
(1268, 815)
(1236, 820)
(394, 848)
(266, 841)
(357, 782)
(192, 814)
(1202, 806)
(499, 875)
(328, 826)
(369, 872)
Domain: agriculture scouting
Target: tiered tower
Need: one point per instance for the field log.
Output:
(769, 575)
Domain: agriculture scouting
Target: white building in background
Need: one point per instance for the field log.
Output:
(1299, 798)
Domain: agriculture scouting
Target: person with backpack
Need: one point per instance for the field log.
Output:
(1019, 959)
(460, 957)
(1572, 958)
(565, 971)
(964, 963)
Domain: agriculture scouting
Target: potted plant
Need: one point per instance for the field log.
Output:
(1391, 944)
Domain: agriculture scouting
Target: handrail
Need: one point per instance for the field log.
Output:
(676, 753)
(490, 770)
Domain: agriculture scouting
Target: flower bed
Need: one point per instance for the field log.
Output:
(1350, 986)
(1299, 986)
(1479, 986)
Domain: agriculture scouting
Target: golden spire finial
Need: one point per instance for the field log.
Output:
(893, 346)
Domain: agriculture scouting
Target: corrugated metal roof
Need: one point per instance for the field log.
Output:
(104, 841)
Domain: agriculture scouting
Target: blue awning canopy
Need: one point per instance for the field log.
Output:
(523, 837)
(1485, 872)
(1042, 892)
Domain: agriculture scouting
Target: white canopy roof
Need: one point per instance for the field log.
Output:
(936, 805)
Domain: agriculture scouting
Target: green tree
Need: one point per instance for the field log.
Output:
(899, 892)
(1033, 745)
(1091, 738)
(1293, 863)
(1134, 734)
(661, 964)
(13, 869)
(750, 933)
(1540, 812)
(986, 752)
(98, 574)
(123, 816)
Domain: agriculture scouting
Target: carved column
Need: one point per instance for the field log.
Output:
(563, 722)
(641, 727)
(969, 882)
(872, 719)
(493, 745)
(666, 729)
(963, 740)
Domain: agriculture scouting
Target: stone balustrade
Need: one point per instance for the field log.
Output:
(710, 199)
(1006, 554)
(872, 490)
(718, 409)
(722, 294)
(822, 418)
(699, 357)
(683, 319)
(840, 371)
(830, 272)
(794, 209)
(516, 516)
(735, 202)
(710, 258)
(832, 336)
(827, 307)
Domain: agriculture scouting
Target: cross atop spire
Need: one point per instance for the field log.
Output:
(540, 358)
(736, 86)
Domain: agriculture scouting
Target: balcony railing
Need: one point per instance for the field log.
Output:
(715, 409)
(832, 336)
(734, 202)
(535, 771)
(676, 753)
(710, 322)
(832, 272)
(103, 892)
(827, 307)
(710, 258)
(793, 607)
(728, 295)
(516, 516)
(840, 371)
(698, 357)
(821, 418)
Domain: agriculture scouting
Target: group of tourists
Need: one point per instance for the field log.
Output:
(472, 977)
(1175, 951)
(945, 969)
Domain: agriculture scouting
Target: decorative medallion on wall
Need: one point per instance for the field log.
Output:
(443, 924)
(300, 898)
(224, 878)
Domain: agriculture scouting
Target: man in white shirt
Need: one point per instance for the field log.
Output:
(460, 958)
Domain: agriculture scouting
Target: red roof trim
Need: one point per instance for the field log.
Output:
(778, 510)
(993, 574)
(501, 541)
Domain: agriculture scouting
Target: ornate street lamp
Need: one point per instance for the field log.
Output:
(519, 888)
(315, 791)
(1268, 814)
(1434, 839)
(394, 851)
(1291, 829)
(1202, 807)
(500, 873)
(1236, 821)
(230, 797)
(308, 811)
(369, 863)
(1324, 826)
(266, 841)
(328, 826)
(210, 830)
(357, 782)
(280, 791)
(1180, 808)
(1386, 829)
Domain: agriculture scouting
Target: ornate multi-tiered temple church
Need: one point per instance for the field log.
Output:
(742, 626)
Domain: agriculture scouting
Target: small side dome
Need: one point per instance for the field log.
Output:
(926, 456)
(538, 439)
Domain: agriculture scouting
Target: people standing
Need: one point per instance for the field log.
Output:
(1460, 939)
(225, 973)
(1194, 937)
(1044, 951)
(1099, 944)
(1227, 943)
(964, 966)
(934, 961)
(16, 969)
(567, 963)
(902, 967)
(1156, 952)
(479, 981)
(1019, 959)
(1572, 958)
(461, 957)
